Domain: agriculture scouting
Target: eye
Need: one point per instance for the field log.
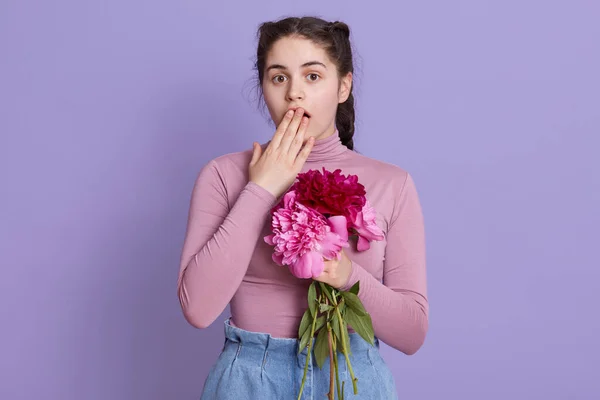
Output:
(314, 75)
(276, 77)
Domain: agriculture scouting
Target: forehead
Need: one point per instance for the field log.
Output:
(295, 51)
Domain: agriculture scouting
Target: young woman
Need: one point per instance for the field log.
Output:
(305, 71)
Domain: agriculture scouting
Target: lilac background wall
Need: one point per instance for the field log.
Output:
(108, 109)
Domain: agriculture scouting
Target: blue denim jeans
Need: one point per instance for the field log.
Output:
(257, 366)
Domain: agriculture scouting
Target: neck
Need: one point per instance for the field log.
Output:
(328, 148)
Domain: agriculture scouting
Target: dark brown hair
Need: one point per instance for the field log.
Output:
(334, 38)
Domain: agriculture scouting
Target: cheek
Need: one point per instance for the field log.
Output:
(266, 95)
(327, 106)
(270, 102)
(325, 98)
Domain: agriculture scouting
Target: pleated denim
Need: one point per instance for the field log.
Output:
(257, 366)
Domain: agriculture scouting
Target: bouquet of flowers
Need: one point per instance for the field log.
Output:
(316, 218)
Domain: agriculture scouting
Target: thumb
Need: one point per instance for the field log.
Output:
(256, 152)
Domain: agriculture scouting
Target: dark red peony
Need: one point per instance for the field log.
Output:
(331, 193)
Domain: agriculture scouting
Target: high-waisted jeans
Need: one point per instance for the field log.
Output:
(257, 366)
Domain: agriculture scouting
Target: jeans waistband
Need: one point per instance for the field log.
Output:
(285, 346)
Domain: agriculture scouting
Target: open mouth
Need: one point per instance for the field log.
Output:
(306, 114)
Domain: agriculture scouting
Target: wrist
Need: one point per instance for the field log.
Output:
(265, 187)
(346, 275)
(349, 279)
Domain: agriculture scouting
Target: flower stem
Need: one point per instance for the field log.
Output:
(337, 371)
(310, 342)
(345, 349)
(331, 393)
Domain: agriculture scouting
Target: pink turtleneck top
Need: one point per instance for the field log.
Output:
(225, 260)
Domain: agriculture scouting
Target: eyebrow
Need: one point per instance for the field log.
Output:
(306, 64)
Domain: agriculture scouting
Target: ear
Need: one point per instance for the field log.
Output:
(345, 87)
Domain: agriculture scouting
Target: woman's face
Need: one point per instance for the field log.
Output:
(299, 74)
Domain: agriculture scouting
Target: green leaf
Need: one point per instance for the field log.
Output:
(305, 323)
(342, 307)
(321, 348)
(346, 337)
(334, 343)
(325, 307)
(312, 298)
(325, 288)
(335, 325)
(362, 325)
(355, 288)
(320, 322)
(304, 341)
(354, 303)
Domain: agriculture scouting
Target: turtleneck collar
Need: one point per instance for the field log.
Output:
(327, 149)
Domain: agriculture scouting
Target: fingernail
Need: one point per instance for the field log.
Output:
(289, 113)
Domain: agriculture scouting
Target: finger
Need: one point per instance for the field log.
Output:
(291, 131)
(296, 144)
(303, 155)
(256, 151)
(281, 129)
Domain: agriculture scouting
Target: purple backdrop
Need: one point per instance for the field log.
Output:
(110, 108)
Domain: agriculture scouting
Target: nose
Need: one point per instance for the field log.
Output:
(295, 90)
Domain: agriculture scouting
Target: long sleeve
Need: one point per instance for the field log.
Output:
(218, 245)
(399, 307)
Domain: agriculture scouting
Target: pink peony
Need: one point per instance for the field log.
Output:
(366, 227)
(303, 237)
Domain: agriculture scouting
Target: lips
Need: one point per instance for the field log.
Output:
(306, 113)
